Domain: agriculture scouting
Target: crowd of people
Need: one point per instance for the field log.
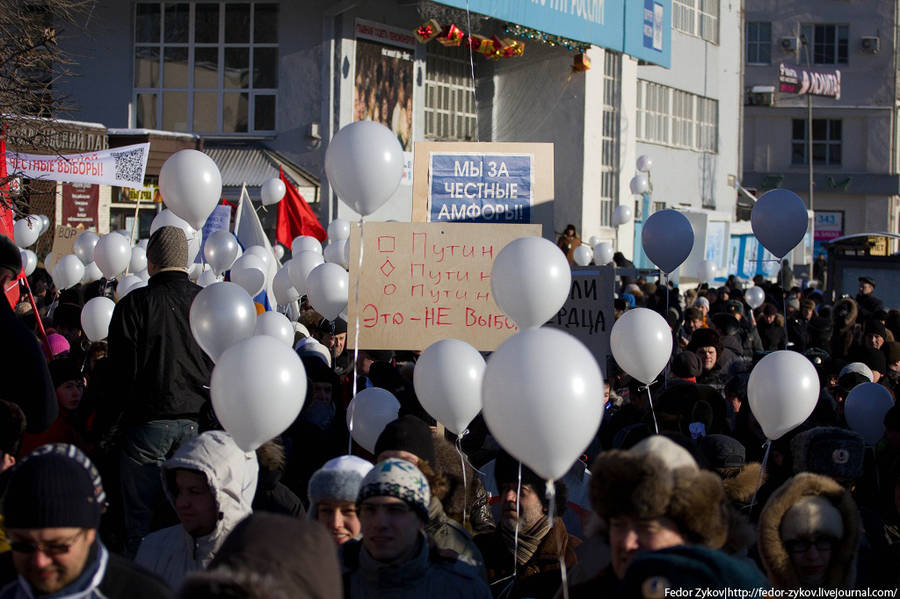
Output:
(118, 480)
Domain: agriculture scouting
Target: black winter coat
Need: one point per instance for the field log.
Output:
(162, 372)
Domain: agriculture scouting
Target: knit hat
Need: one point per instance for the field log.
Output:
(310, 347)
(812, 514)
(857, 368)
(10, 255)
(722, 451)
(12, 427)
(793, 302)
(702, 301)
(340, 326)
(57, 344)
(875, 327)
(656, 574)
(168, 248)
(686, 365)
(407, 433)
(831, 451)
(339, 480)
(400, 479)
(64, 369)
(892, 351)
(55, 486)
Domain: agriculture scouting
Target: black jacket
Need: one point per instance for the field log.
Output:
(127, 580)
(162, 372)
(26, 378)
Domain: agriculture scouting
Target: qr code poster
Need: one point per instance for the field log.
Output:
(121, 167)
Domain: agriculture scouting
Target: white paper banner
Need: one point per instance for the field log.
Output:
(123, 167)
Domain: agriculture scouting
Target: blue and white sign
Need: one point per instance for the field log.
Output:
(480, 188)
(611, 24)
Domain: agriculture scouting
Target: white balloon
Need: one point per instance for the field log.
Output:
(755, 296)
(583, 255)
(279, 251)
(364, 164)
(221, 315)
(96, 316)
(143, 243)
(779, 221)
(67, 272)
(84, 246)
(191, 185)
(639, 184)
(194, 238)
(27, 230)
(272, 191)
(300, 266)
(530, 280)
(249, 272)
(644, 163)
(275, 325)
(369, 412)
(543, 399)
(45, 223)
(334, 252)
(328, 287)
(447, 379)
(49, 262)
(305, 243)
(706, 271)
(128, 284)
(144, 275)
(667, 239)
(207, 278)
(865, 408)
(92, 273)
(338, 229)
(138, 259)
(621, 215)
(195, 270)
(603, 253)
(112, 255)
(783, 391)
(29, 261)
(221, 250)
(257, 387)
(641, 343)
(267, 257)
(283, 288)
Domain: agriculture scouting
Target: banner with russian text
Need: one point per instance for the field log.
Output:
(123, 167)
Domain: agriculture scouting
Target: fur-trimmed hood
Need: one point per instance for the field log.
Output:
(641, 485)
(740, 488)
(845, 314)
(842, 569)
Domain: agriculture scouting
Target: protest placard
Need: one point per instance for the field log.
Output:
(588, 313)
(422, 282)
(64, 240)
(483, 182)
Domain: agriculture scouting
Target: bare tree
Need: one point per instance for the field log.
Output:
(31, 62)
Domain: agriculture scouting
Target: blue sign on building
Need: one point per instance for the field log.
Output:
(480, 188)
(610, 24)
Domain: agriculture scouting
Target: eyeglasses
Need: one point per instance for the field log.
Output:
(803, 545)
(49, 548)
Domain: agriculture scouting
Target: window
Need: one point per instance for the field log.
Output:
(759, 43)
(677, 118)
(826, 140)
(206, 67)
(829, 43)
(612, 91)
(450, 112)
(699, 18)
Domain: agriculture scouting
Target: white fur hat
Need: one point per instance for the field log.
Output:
(811, 515)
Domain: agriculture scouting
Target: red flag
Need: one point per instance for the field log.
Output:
(7, 226)
(295, 217)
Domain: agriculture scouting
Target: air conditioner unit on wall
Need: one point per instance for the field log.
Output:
(790, 44)
(870, 44)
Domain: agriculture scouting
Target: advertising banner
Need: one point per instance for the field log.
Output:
(798, 80)
(123, 167)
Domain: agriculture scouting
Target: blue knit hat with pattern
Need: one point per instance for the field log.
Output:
(400, 479)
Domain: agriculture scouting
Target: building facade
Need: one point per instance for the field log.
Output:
(855, 181)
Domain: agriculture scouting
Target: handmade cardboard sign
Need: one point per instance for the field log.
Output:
(64, 240)
(422, 282)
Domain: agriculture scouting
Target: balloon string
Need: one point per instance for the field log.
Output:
(551, 500)
(652, 411)
(472, 68)
(516, 534)
(784, 311)
(666, 369)
(462, 461)
(762, 472)
(356, 336)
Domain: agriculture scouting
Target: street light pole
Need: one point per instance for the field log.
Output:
(809, 149)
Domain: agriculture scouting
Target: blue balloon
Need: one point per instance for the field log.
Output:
(667, 239)
(779, 221)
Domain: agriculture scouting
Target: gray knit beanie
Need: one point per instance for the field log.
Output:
(338, 479)
(168, 248)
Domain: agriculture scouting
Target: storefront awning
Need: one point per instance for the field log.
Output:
(253, 164)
